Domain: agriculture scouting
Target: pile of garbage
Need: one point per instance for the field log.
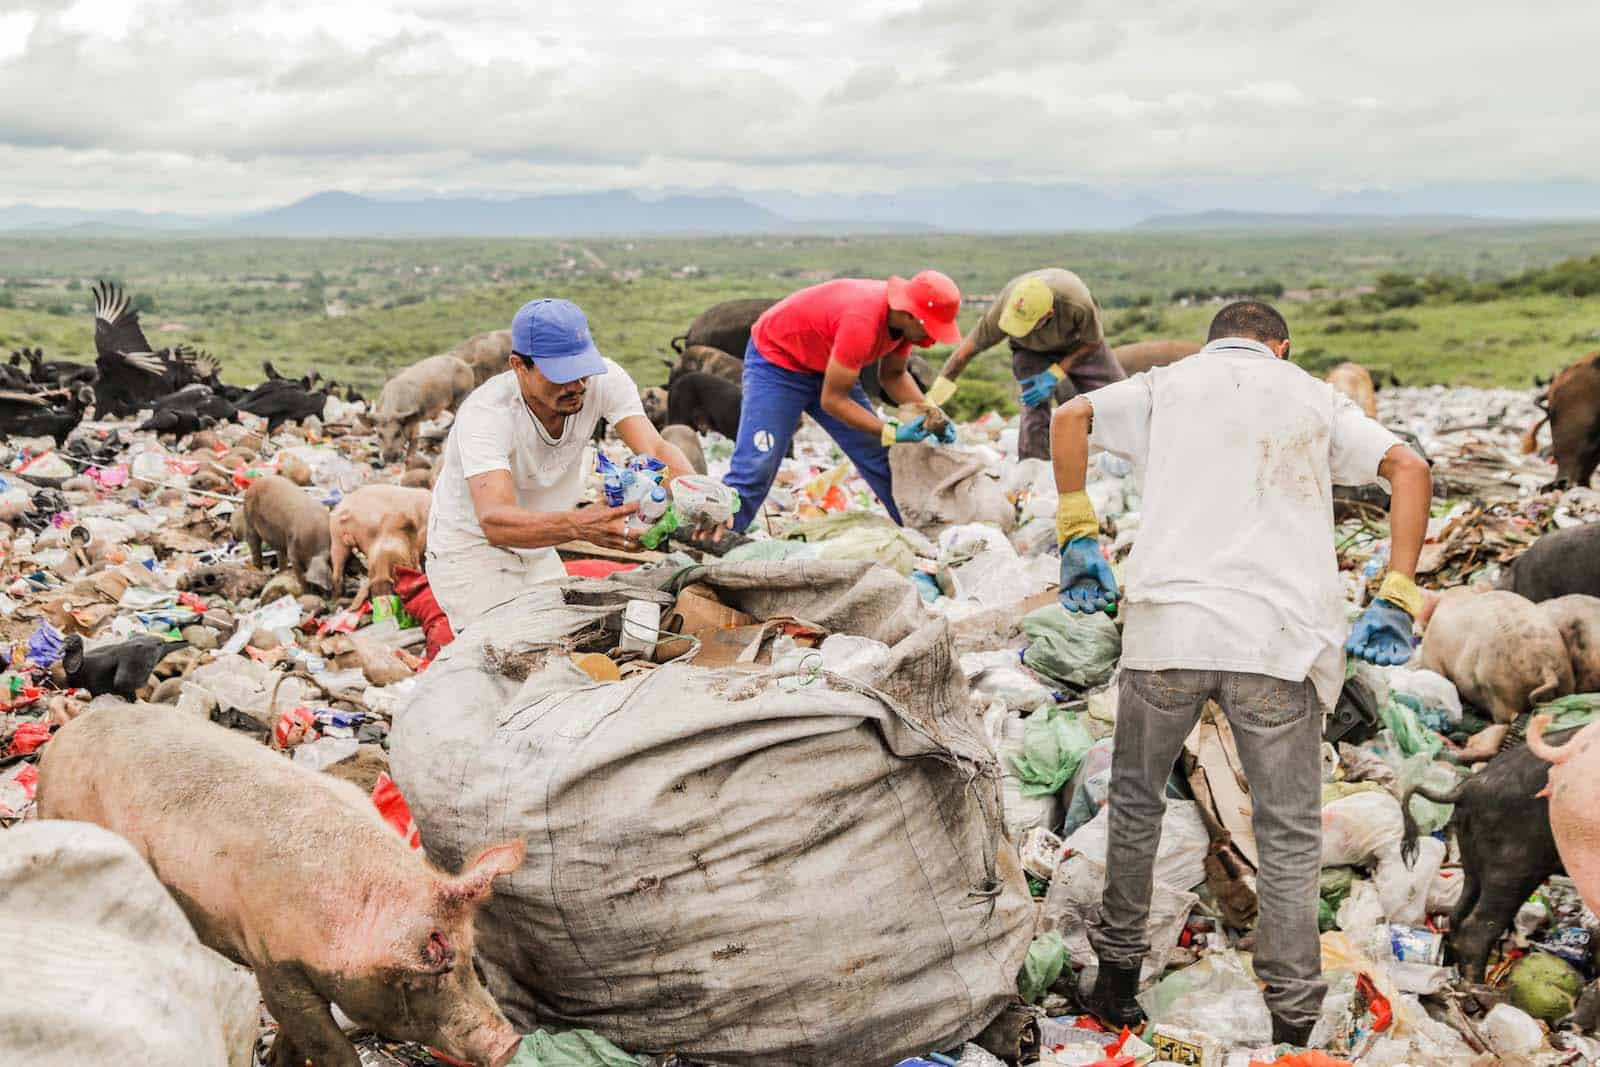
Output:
(837, 796)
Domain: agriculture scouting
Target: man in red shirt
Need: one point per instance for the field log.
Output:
(805, 357)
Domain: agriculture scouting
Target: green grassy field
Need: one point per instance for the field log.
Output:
(358, 309)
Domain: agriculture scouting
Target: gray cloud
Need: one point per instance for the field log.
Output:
(167, 103)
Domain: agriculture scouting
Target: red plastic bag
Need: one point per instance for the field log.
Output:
(1311, 1058)
(411, 586)
(596, 568)
(294, 726)
(391, 804)
(1382, 1012)
(29, 737)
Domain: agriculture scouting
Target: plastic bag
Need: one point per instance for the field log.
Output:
(1402, 890)
(1510, 1031)
(1053, 744)
(1422, 769)
(860, 659)
(861, 535)
(998, 577)
(1046, 959)
(575, 1048)
(1017, 688)
(1091, 786)
(1408, 730)
(1180, 857)
(1431, 695)
(1356, 828)
(770, 551)
(1076, 650)
(1576, 709)
(1218, 996)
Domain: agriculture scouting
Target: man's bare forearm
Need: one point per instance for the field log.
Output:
(514, 527)
(1069, 444)
(1410, 494)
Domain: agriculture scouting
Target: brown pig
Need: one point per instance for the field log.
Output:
(281, 514)
(1500, 651)
(485, 353)
(1574, 816)
(295, 875)
(688, 443)
(388, 524)
(419, 393)
(1353, 381)
(1577, 616)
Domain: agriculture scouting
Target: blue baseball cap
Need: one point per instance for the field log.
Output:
(554, 334)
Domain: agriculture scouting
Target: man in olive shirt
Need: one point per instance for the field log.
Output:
(1053, 324)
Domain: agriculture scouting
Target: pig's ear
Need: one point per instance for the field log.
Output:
(476, 879)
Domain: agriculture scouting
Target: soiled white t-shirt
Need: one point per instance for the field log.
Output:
(495, 431)
(1234, 568)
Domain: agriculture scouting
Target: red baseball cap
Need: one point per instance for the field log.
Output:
(935, 301)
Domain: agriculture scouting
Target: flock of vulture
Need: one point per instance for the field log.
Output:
(179, 386)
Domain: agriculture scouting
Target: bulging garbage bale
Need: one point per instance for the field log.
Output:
(746, 867)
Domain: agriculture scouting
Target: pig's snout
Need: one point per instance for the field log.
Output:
(491, 1045)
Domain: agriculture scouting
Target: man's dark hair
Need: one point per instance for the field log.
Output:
(1249, 318)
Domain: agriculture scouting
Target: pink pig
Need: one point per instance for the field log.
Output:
(1574, 816)
(293, 874)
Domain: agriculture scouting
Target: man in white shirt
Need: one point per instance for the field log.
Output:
(1233, 595)
(513, 465)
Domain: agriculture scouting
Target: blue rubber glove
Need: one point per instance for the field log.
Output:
(911, 431)
(1382, 635)
(1036, 388)
(948, 437)
(1087, 584)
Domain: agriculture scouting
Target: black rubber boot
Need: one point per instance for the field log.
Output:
(1112, 999)
(1298, 1036)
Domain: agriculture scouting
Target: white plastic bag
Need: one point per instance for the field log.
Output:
(1358, 827)
(1433, 691)
(1511, 1031)
(1181, 857)
(860, 659)
(1217, 996)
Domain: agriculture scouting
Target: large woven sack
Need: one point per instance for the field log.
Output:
(939, 487)
(741, 866)
(101, 965)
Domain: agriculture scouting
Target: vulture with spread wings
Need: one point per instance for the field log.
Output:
(132, 375)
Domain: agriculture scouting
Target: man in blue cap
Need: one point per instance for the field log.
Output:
(513, 471)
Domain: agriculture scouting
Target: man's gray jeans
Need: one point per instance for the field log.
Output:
(1277, 726)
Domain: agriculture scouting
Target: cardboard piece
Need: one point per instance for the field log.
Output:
(1217, 778)
(746, 646)
(696, 613)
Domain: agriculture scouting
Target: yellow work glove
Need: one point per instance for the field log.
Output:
(941, 390)
(1402, 592)
(1075, 517)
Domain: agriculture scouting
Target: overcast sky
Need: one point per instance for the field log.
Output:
(225, 106)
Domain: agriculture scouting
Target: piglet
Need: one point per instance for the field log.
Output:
(293, 874)
(281, 514)
(1573, 788)
(388, 524)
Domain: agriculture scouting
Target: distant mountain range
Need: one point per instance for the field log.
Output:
(998, 207)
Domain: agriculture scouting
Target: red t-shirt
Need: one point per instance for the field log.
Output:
(846, 320)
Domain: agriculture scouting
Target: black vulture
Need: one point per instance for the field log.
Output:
(54, 373)
(31, 415)
(280, 399)
(132, 375)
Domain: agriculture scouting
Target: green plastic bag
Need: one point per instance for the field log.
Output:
(1411, 735)
(1046, 959)
(1333, 885)
(575, 1048)
(1054, 743)
(858, 535)
(1076, 650)
(1578, 709)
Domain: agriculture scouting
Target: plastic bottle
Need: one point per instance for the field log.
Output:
(659, 516)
